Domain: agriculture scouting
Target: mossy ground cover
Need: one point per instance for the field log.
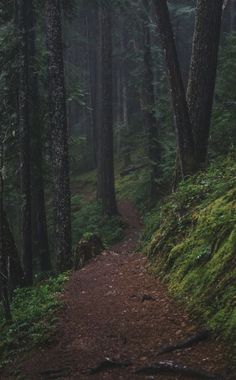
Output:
(191, 242)
(34, 318)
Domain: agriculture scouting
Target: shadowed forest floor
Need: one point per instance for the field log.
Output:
(114, 309)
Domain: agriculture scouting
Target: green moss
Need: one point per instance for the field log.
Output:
(193, 245)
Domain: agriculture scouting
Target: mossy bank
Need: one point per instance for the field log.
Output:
(191, 243)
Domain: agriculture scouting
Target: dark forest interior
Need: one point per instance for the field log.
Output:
(117, 189)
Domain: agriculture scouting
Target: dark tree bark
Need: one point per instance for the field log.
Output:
(15, 271)
(229, 20)
(150, 120)
(182, 121)
(39, 222)
(4, 286)
(203, 69)
(92, 36)
(58, 120)
(106, 188)
(25, 137)
(98, 97)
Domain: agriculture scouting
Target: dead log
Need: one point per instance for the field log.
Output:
(106, 365)
(193, 340)
(170, 367)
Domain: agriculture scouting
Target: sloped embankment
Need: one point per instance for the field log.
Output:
(191, 242)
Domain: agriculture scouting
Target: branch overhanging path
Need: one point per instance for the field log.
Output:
(117, 318)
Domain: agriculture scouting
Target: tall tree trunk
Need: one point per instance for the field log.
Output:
(15, 271)
(202, 77)
(58, 119)
(4, 286)
(98, 98)
(92, 36)
(151, 123)
(39, 223)
(25, 137)
(182, 121)
(106, 189)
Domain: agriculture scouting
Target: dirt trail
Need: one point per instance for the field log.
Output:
(114, 309)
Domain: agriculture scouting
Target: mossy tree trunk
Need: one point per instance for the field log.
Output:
(39, 222)
(25, 127)
(4, 291)
(59, 133)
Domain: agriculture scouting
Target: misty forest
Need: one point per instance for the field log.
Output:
(118, 189)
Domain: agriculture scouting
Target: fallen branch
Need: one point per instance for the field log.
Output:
(106, 365)
(193, 340)
(169, 367)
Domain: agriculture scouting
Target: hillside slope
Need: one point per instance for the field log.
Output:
(191, 242)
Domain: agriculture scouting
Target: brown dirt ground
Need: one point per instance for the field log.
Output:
(104, 317)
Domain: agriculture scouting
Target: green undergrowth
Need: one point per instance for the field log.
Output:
(134, 186)
(191, 242)
(34, 318)
(87, 218)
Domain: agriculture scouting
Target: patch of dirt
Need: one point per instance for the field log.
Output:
(114, 309)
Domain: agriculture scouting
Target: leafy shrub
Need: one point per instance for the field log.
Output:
(33, 311)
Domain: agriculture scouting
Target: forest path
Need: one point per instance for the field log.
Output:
(114, 309)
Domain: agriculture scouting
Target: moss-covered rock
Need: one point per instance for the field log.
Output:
(88, 247)
(191, 242)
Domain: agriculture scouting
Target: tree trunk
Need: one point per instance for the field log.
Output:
(15, 271)
(202, 77)
(25, 138)
(92, 36)
(150, 120)
(182, 121)
(58, 119)
(106, 190)
(4, 285)
(39, 222)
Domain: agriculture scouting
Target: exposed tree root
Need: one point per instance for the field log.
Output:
(195, 339)
(169, 367)
(106, 365)
(56, 373)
